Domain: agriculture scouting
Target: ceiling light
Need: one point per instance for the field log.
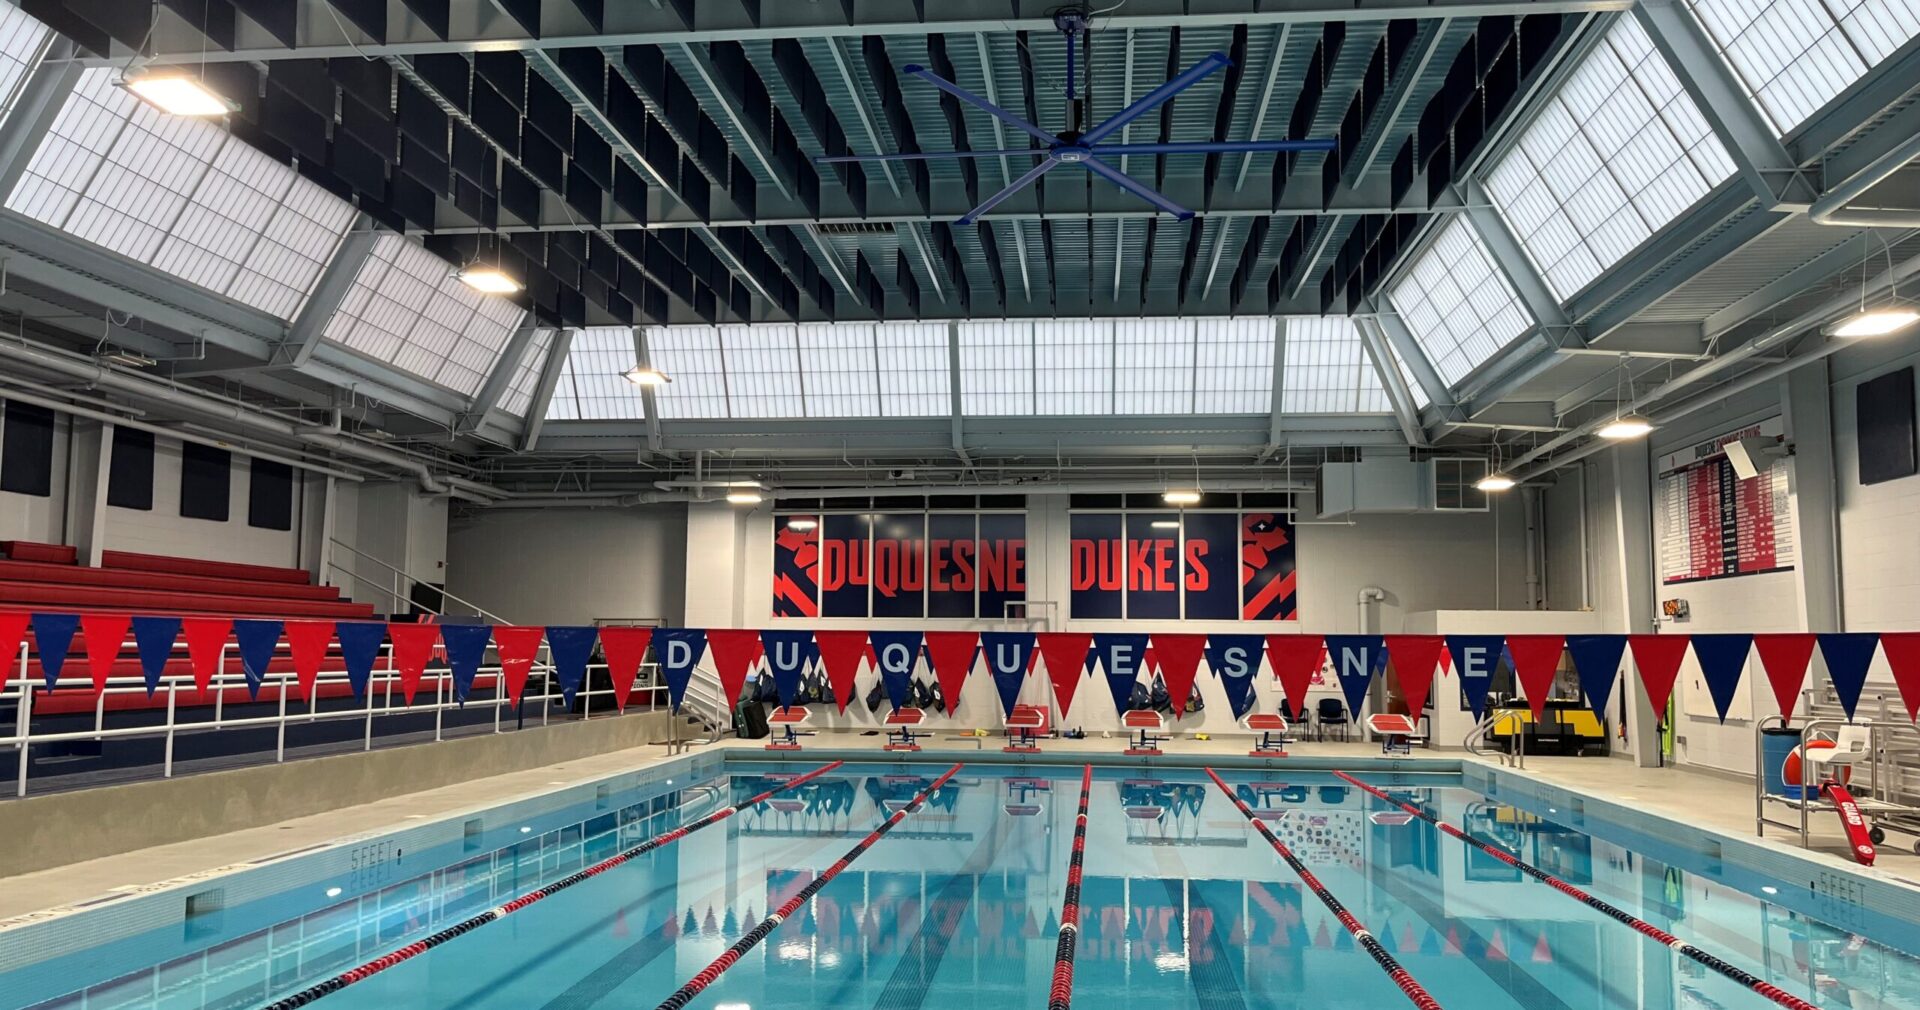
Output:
(131, 359)
(491, 280)
(1626, 426)
(1181, 497)
(1875, 323)
(744, 497)
(803, 525)
(1494, 482)
(645, 376)
(1165, 524)
(177, 93)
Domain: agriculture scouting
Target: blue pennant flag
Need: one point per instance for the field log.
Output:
(1475, 658)
(1120, 657)
(1236, 660)
(788, 653)
(466, 649)
(678, 651)
(1356, 658)
(571, 648)
(1596, 660)
(154, 637)
(256, 640)
(52, 639)
(359, 647)
(1008, 655)
(1847, 656)
(1723, 658)
(896, 652)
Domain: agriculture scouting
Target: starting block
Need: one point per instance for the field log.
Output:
(1151, 728)
(1272, 728)
(1022, 723)
(1397, 732)
(900, 724)
(787, 719)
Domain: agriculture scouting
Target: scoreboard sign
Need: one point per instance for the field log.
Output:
(1712, 524)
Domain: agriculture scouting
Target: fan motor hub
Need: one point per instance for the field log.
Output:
(1073, 154)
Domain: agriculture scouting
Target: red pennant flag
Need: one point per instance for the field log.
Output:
(1453, 942)
(1414, 658)
(1902, 649)
(840, 654)
(1294, 659)
(1179, 656)
(1496, 946)
(1536, 658)
(1658, 657)
(1542, 954)
(104, 633)
(517, 647)
(1066, 656)
(308, 641)
(412, 647)
(734, 651)
(1785, 658)
(205, 636)
(950, 653)
(13, 632)
(625, 648)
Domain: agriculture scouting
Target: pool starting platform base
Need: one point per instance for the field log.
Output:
(787, 720)
(900, 724)
(1272, 728)
(1022, 723)
(1151, 728)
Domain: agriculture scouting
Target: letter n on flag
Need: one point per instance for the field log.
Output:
(1065, 653)
(1414, 659)
(625, 648)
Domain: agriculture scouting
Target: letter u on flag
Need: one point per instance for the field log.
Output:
(787, 654)
(679, 651)
(1009, 653)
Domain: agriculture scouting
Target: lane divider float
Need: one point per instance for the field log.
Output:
(1060, 997)
(1745, 978)
(1400, 976)
(731, 956)
(421, 946)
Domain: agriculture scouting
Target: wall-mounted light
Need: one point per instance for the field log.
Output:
(1181, 497)
(645, 376)
(1625, 426)
(178, 93)
(1874, 323)
(489, 279)
(1494, 482)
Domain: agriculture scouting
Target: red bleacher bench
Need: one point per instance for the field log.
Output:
(27, 550)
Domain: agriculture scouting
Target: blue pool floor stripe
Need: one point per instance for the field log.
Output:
(907, 986)
(1214, 985)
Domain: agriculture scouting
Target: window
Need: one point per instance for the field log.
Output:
(996, 367)
(406, 308)
(1328, 370)
(206, 480)
(526, 375)
(270, 496)
(763, 371)
(1153, 366)
(1793, 56)
(23, 41)
(914, 375)
(691, 357)
(593, 385)
(841, 367)
(26, 450)
(1457, 304)
(130, 470)
(1233, 366)
(1072, 366)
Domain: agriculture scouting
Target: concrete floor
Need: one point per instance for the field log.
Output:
(1709, 801)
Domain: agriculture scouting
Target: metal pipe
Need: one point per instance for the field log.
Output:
(1831, 209)
(1530, 505)
(1368, 594)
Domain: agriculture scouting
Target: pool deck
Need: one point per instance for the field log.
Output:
(1711, 802)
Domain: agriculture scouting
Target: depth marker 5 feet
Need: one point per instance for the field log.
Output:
(1745, 978)
(1361, 936)
(419, 947)
(1060, 997)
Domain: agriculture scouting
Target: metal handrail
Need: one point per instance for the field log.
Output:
(1483, 729)
(404, 602)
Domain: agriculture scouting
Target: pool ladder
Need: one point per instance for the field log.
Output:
(1478, 735)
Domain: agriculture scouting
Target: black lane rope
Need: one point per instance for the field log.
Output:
(1745, 978)
(1365, 939)
(731, 956)
(1060, 997)
(421, 946)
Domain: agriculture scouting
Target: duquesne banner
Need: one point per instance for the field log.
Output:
(899, 564)
(1195, 565)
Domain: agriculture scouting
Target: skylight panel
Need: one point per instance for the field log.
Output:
(1415, 389)
(593, 382)
(406, 308)
(23, 40)
(1457, 304)
(526, 375)
(1794, 56)
(996, 367)
(1328, 371)
(1153, 366)
(1073, 366)
(840, 369)
(1233, 366)
(692, 358)
(915, 377)
(763, 370)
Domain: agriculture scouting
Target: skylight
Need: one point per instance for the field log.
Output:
(592, 386)
(407, 309)
(1794, 56)
(1457, 305)
(1328, 371)
(526, 375)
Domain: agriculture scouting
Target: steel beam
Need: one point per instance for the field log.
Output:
(42, 96)
(953, 393)
(543, 392)
(649, 395)
(1511, 259)
(1276, 399)
(1439, 395)
(1391, 379)
(336, 279)
(1425, 48)
(501, 375)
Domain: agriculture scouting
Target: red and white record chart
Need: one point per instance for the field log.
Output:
(1712, 524)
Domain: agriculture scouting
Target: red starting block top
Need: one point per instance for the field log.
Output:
(1390, 818)
(906, 717)
(1026, 717)
(1266, 722)
(1391, 724)
(789, 716)
(1144, 718)
(787, 806)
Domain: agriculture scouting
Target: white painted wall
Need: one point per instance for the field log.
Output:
(572, 566)
(162, 530)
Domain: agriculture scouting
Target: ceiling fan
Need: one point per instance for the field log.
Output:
(1086, 149)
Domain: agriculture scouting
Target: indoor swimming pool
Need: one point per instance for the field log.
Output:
(958, 904)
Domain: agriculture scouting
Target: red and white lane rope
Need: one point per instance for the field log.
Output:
(729, 957)
(1361, 936)
(1060, 997)
(421, 946)
(1745, 978)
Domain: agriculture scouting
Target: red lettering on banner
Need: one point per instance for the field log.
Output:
(1197, 573)
(1016, 576)
(1163, 556)
(1139, 564)
(913, 568)
(1082, 566)
(963, 566)
(937, 553)
(886, 567)
(833, 562)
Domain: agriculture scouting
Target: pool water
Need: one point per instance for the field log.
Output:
(957, 907)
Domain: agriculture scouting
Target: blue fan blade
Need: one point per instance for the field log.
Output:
(1006, 152)
(1139, 189)
(1207, 65)
(1013, 187)
(1208, 147)
(914, 70)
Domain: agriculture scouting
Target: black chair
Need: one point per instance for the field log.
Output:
(1330, 712)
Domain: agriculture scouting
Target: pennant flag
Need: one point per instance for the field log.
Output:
(1902, 649)
(1658, 658)
(1355, 659)
(52, 639)
(1294, 659)
(679, 651)
(104, 634)
(1066, 654)
(1475, 657)
(1179, 656)
(413, 644)
(1120, 656)
(1596, 661)
(951, 654)
(154, 637)
(1009, 653)
(256, 641)
(1722, 659)
(1236, 659)
(206, 638)
(571, 648)
(895, 653)
(1414, 659)
(840, 653)
(13, 634)
(1536, 658)
(517, 645)
(734, 650)
(1847, 656)
(1785, 659)
(466, 650)
(786, 653)
(625, 649)
(308, 641)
